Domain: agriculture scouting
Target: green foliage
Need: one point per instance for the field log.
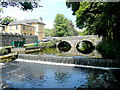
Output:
(53, 32)
(32, 45)
(7, 20)
(98, 18)
(49, 44)
(109, 49)
(3, 51)
(1, 9)
(63, 26)
(85, 32)
(83, 46)
(47, 32)
(22, 5)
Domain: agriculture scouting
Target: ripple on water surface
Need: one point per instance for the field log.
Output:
(35, 75)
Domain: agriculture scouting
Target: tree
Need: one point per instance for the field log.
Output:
(24, 5)
(101, 19)
(63, 26)
(98, 18)
(47, 32)
(7, 20)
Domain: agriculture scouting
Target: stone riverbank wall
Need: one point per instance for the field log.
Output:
(7, 38)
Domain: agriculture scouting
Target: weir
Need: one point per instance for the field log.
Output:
(76, 61)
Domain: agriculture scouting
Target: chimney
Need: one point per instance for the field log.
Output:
(41, 20)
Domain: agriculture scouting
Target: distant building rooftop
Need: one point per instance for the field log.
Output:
(21, 24)
(27, 21)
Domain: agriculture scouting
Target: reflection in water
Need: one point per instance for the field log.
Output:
(85, 47)
(71, 52)
(34, 75)
(61, 76)
(64, 46)
(31, 75)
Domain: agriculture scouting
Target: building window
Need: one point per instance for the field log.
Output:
(24, 27)
(16, 26)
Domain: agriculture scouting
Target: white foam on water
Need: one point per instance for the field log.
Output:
(63, 64)
(1, 65)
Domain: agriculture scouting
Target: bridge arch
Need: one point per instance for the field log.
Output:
(64, 46)
(85, 47)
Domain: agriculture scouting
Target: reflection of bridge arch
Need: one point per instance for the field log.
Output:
(64, 46)
(89, 47)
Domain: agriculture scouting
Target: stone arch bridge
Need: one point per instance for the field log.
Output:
(74, 40)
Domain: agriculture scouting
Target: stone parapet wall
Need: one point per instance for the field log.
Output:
(7, 38)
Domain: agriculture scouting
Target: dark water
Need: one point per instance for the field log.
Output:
(34, 75)
(72, 52)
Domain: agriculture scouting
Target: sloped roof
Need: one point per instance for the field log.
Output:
(21, 24)
(27, 21)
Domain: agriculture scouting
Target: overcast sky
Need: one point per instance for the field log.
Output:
(48, 12)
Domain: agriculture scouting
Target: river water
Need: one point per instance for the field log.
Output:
(20, 74)
(34, 75)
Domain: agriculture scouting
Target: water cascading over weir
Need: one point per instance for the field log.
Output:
(71, 61)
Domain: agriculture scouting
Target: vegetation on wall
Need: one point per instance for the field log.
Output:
(49, 44)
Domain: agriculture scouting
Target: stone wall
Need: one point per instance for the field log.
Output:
(7, 38)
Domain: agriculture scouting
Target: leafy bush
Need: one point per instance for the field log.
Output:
(109, 49)
(3, 51)
(48, 44)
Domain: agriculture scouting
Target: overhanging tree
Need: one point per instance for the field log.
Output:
(7, 20)
(98, 18)
(23, 4)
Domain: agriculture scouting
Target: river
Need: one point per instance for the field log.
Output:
(35, 75)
